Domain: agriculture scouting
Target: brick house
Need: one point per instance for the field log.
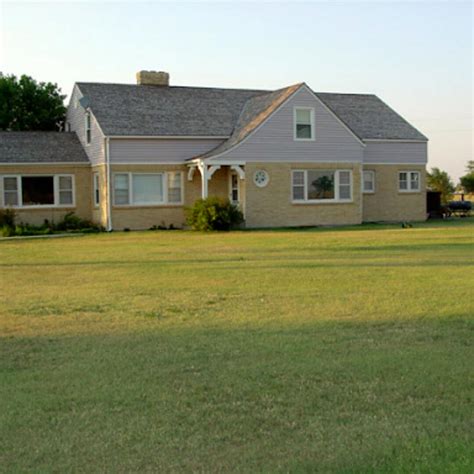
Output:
(135, 155)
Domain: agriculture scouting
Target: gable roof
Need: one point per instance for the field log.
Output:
(255, 111)
(142, 110)
(41, 147)
(369, 117)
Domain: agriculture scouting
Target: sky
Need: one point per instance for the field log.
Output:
(416, 56)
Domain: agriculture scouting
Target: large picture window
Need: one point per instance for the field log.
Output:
(304, 123)
(147, 189)
(321, 185)
(33, 191)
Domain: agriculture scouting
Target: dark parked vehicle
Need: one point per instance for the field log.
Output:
(460, 208)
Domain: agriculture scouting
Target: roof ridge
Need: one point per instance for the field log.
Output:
(363, 94)
(148, 86)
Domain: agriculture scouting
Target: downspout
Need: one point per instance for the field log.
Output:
(109, 181)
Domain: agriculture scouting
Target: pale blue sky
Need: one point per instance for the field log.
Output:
(417, 56)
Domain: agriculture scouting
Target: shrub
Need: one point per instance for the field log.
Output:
(214, 214)
(7, 218)
(7, 231)
(71, 222)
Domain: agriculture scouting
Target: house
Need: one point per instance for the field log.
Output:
(134, 156)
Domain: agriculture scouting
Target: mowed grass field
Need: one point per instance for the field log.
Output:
(325, 350)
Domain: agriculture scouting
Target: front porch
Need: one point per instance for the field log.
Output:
(222, 180)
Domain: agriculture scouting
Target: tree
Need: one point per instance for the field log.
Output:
(467, 181)
(440, 181)
(26, 104)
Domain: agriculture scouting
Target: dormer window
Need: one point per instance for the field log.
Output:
(304, 123)
(88, 128)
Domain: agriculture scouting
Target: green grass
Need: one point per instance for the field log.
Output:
(329, 350)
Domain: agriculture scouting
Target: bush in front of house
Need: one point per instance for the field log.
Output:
(69, 223)
(7, 217)
(214, 213)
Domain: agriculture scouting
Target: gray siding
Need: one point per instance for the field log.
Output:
(274, 142)
(396, 153)
(75, 116)
(158, 150)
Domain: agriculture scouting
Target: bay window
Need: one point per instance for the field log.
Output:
(38, 190)
(321, 185)
(147, 189)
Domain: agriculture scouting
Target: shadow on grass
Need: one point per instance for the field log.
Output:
(341, 397)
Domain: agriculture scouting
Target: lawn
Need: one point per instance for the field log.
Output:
(323, 350)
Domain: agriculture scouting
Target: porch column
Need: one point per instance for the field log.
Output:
(206, 175)
(204, 180)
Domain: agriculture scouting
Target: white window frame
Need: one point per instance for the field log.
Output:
(409, 187)
(38, 206)
(336, 199)
(96, 189)
(313, 134)
(165, 201)
(368, 191)
(88, 128)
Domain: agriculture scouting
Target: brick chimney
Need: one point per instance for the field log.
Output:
(153, 78)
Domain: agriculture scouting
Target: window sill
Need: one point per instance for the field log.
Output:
(45, 206)
(304, 139)
(146, 206)
(408, 192)
(368, 192)
(332, 201)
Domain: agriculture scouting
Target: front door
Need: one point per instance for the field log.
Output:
(234, 188)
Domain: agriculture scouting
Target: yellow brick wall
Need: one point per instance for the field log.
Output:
(271, 206)
(83, 192)
(387, 203)
(144, 217)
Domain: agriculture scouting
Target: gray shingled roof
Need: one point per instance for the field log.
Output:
(41, 147)
(128, 109)
(369, 117)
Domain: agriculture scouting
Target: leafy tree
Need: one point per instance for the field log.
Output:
(438, 180)
(26, 104)
(467, 181)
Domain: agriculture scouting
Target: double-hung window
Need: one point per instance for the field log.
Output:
(303, 123)
(321, 185)
(147, 189)
(96, 184)
(409, 181)
(87, 128)
(38, 190)
(368, 183)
